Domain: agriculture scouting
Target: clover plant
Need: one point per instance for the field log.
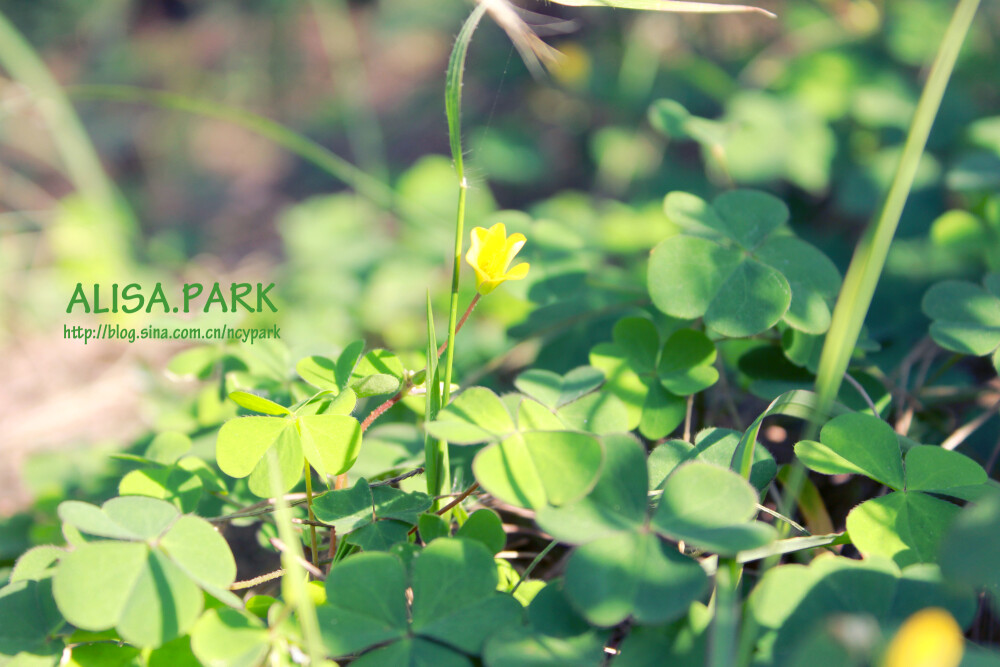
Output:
(604, 492)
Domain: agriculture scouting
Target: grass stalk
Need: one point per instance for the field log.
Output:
(77, 153)
(437, 451)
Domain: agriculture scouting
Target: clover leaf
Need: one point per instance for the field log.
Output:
(455, 607)
(738, 266)
(144, 578)
(372, 517)
(329, 442)
(966, 316)
(652, 380)
(611, 576)
(792, 602)
(377, 372)
(908, 524)
(523, 466)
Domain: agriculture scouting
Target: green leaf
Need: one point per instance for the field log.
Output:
(476, 415)
(167, 447)
(662, 412)
(523, 648)
(329, 442)
(325, 373)
(366, 603)
(257, 403)
(175, 485)
(686, 273)
(242, 442)
(379, 535)
(718, 446)
(599, 413)
(535, 468)
(672, 119)
(36, 563)
(431, 527)
(971, 548)
(936, 470)
(855, 444)
(127, 586)
(201, 553)
(966, 316)
(412, 653)
(685, 365)
(753, 299)
(639, 341)
(128, 518)
(617, 503)
(553, 390)
(907, 527)
(379, 372)
(455, 603)
(712, 508)
(533, 416)
(632, 575)
(486, 527)
(396, 504)
(793, 600)
(146, 588)
(346, 509)
(739, 267)
(750, 216)
(812, 277)
(288, 447)
(227, 638)
(29, 616)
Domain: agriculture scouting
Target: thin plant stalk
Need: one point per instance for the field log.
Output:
(437, 450)
(866, 268)
(364, 184)
(312, 517)
(83, 167)
(293, 583)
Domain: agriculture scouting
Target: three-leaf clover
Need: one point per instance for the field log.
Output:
(525, 465)
(146, 575)
(329, 442)
(652, 380)
(906, 525)
(739, 267)
(454, 606)
(623, 568)
(966, 316)
(371, 517)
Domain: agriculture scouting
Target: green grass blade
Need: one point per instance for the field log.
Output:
(870, 255)
(453, 110)
(83, 167)
(307, 149)
(453, 87)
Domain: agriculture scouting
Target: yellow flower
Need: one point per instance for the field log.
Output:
(490, 256)
(928, 638)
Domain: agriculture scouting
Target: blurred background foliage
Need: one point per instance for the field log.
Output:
(812, 106)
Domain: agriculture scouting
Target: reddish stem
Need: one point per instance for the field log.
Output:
(380, 410)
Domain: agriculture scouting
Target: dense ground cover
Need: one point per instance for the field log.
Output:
(627, 355)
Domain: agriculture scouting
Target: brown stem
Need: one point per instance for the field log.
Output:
(458, 327)
(380, 410)
(465, 494)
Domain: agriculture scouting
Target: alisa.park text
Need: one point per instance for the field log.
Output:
(133, 297)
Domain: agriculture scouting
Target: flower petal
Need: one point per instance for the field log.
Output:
(518, 272)
(514, 244)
